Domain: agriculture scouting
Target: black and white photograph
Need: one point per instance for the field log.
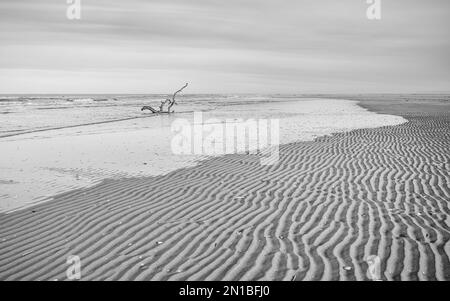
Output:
(235, 141)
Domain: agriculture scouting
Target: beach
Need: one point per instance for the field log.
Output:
(375, 186)
(52, 145)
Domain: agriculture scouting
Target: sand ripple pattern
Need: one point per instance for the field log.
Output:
(317, 215)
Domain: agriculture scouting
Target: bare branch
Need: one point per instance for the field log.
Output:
(174, 94)
(173, 97)
(149, 108)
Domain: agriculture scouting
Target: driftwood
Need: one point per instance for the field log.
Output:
(168, 101)
(149, 108)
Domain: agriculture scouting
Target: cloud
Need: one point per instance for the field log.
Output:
(225, 46)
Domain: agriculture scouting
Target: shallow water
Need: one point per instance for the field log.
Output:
(52, 153)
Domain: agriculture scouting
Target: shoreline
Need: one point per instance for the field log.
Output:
(296, 221)
(39, 166)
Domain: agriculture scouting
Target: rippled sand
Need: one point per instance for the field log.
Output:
(317, 215)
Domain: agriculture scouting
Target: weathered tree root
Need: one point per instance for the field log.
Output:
(171, 102)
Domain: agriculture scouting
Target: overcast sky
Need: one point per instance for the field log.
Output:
(230, 46)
